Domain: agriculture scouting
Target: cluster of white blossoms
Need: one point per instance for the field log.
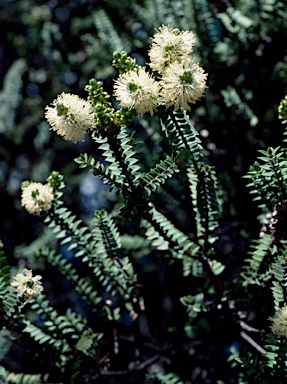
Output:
(26, 284)
(70, 116)
(36, 197)
(279, 326)
(177, 82)
(182, 81)
(137, 90)
(170, 46)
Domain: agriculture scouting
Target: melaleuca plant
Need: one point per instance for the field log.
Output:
(110, 287)
(107, 332)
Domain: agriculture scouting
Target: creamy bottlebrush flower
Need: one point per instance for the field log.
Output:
(70, 116)
(137, 90)
(169, 46)
(279, 326)
(26, 284)
(183, 83)
(36, 197)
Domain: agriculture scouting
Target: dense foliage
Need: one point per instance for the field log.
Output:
(165, 262)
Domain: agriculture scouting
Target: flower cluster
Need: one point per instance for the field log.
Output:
(36, 197)
(279, 326)
(70, 116)
(170, 46)
(26, 284)
(176, 82)
(137, 90)
(182, 81)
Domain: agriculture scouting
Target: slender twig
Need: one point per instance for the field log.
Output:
(243, 325)
(252, 342)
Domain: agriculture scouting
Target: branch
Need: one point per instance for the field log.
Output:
(252, 342)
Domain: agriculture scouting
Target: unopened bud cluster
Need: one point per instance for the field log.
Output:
(282, 110)
(55, 181)
(124, 63)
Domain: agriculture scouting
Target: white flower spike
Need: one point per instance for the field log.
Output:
(170, 46)
(36, 197)
(183, 83)
(279, 326)
(70, 116)
(137, 90)
(26, 284)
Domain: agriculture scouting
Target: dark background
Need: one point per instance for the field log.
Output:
(50, 47)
